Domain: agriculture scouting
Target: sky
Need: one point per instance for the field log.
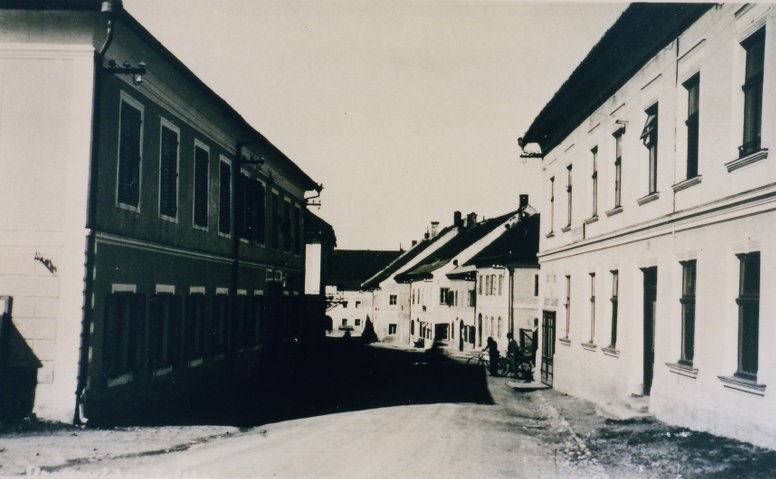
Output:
(405, 111)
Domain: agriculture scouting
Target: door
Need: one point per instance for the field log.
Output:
(548, 346)
(650, 301)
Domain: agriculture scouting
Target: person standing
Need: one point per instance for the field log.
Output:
(492, 348)
(512, 353)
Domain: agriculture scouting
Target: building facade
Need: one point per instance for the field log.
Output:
(189, 222)
(657, 241)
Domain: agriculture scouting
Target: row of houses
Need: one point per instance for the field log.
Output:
(657, 232)
(152, 242)
(459, 285)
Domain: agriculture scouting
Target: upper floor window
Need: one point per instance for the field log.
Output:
(568, 194)
(287, 226)
(692, 86)
(225, 197)
(594, 177)
(168, 170)
(250, 209)
(392, 299)
(275, 220)
(297, 220)
(753, 92)
(201, 185)
(130, 153)
(649, 137)
(618, 167)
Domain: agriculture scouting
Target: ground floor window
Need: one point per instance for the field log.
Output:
(196, 312)
(391, 328)
(358, 322)
(164, 328)
(748, 314)
(124, 332)
(688, 312)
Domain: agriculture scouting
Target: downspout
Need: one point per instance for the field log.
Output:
(109, 8)
(511, 299)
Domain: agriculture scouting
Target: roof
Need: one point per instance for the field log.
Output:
(639, 34)
(518, 246)
(349, 268)
(140, 30)
(318, 230)
(403, 260)
(463, 240)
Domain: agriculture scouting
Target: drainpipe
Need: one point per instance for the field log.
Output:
(109, 8)
(511, 299)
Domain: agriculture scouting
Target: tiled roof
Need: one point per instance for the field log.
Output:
(349, 268)
(402, 260)
(517, 246)
(466, 237)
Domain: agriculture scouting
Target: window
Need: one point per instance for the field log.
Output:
(568, 305)
(753, 92)
(344, 321)
(219, 323)
(536, 285)
(479, 284)
(358, 304)
(693, 121)
(344, 304)
(568, 195)
(552, 204)
(748, 314)
(124, 333)
(592, 308)
(250, 209)
(201, 185)
(392, 299)
(358, 322)
(649, 137)
(164, 329)
(297, 230)
(412, 327)
(594, 177)
(130, 153)
(275, 220)
(618, 167)
(392, 328)
(444, 294)
(193, 329)
(688, 312)
(287, 226)
(615, 302)
(472, 297)
(225, 197)
(168, 170)
(500, 284)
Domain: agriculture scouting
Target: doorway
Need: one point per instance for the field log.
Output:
(650, 302)
(548, 346)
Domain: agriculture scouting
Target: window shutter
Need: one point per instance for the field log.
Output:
(129, 155)
(260, 213)
(168, 172)
(224, 222)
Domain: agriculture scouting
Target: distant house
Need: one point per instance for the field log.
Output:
(391, 300)
(348, 306)
(442, 308)
(658, 246)
(151, 242)
(507, 285)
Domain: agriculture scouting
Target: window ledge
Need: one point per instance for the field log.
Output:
(162, 371)
(589, 346)
(610, 351)
(565, 341)
(125, 378)
(592, 219)
(684, 184)
(649, 198)
(566, 229)
(743, 385)
(550, 234)
(747, 160)
(614, 211)
(685, 370)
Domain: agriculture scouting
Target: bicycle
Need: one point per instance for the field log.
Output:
(479, 360)
(523, 367)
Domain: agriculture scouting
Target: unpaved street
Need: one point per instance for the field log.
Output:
(353, 411)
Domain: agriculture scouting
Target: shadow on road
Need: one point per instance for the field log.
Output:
(334, 376)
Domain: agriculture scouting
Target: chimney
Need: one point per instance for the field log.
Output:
(414, 243)
(426, 236)
(434, 228)
(523, 201)
(471, 219)
(457, 221)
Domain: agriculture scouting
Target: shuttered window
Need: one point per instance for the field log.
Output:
(224, 198)
(168, 172)
(124, 331)
(165, 329)
(287, 226)
(194, 327)
(201, 183)
(261, 209)
(297, 230)
(130, 147)
(275, 221)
